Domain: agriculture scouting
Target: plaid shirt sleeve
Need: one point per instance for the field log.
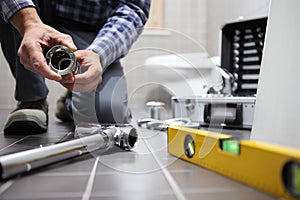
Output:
(121, 30)
(10, 7)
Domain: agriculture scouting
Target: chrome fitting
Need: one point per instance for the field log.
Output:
(61, 60)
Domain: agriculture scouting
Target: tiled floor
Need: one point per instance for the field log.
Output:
(147, 172)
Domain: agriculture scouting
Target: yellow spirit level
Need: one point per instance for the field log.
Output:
(270, 168)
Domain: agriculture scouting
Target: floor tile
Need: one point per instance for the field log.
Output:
(143, 173)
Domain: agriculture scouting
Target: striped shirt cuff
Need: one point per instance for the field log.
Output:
(10, 7)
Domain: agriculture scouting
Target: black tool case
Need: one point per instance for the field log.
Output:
(241, 53)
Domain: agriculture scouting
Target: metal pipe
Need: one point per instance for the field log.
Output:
(100, 139)
(61, 60)
(227, 87)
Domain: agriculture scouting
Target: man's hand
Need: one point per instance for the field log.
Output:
(37, 36)
(90, 75)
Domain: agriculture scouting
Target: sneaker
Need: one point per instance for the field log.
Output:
(62, 112)
(28, 118)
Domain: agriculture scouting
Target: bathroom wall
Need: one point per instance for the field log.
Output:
(184, 32)
(6, 85)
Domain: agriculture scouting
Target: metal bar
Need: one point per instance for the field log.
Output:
(25, 161)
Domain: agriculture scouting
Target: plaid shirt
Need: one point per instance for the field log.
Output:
(123, 21)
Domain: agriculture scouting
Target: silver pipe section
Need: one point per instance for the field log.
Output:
(61, 60)
(100, 139)
(227, 88)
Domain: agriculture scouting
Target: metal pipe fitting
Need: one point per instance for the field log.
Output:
(125, 137)
(156, 109)
(61, 60)
(227, 78)
(99, 139)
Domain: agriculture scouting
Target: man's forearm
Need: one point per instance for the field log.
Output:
(24, 19)
(121, 30)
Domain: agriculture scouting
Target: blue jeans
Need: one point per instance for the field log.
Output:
(108, 104)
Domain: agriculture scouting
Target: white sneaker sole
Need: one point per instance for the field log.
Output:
(27, 120)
